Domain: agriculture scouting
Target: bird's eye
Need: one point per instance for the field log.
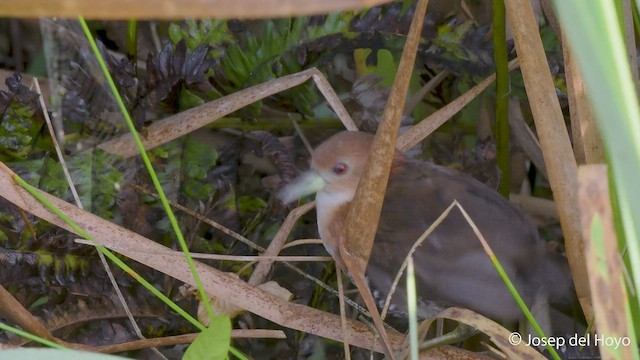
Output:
(340, 168)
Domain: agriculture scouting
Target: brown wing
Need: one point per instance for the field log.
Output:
(451, 266)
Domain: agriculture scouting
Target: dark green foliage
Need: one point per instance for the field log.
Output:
(44, 173)
(97, 181)
(199, 32)
(19, 121)
(173, 70)
(183, 165)
(199, 159)
(188, 100)
(271, 49)
(248, 204)
(49, 263)
(93, 173)
(462, 48)
(450, 38)
(85, 105)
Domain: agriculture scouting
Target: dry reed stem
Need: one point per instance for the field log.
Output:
(535, 206)
(221, 257)
(172, 340)
(173, 127)
(525, 136)
(177, 9)
(14, 311)
(587, 142)
(554, 138)
(262, 269)
(608, 291)
(185, 339)
(362, 219)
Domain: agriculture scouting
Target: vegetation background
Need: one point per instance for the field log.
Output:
(229, 170)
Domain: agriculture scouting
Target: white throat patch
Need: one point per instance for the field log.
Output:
(334, 199)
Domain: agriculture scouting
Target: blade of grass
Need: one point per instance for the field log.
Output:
(163, 198)
(147, 163)
(132, 40)
(29, 336)
(594, 32)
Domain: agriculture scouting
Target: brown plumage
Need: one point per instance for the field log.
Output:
(451, 267)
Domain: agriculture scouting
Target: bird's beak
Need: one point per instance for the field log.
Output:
(308, 183)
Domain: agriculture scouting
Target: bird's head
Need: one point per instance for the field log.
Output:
(336, 167)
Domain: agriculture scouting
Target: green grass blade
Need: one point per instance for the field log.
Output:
(29, 336)
(147, 163)
(593, 30)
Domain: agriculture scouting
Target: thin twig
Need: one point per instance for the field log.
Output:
(186, 339)
(415, 245)
(413, 102)
(304, 139)
(302, 242)
(264, 267)
(214, 256)
(343, 319)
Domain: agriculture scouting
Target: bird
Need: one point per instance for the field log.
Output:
(451, 267)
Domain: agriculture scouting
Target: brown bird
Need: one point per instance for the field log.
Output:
(452, 269)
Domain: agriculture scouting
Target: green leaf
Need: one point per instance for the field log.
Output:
(44, 258)
(45, 174)
(96, 180)
(42, 300)
(52, 179)
(192, 160)
(212, 343)
(188, 100)
(17, 128)
(203, 32)
(199, 158)
(250, 204)
(198, 189)
(450, 39)
(175, 33)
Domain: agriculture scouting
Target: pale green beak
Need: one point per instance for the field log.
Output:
(308, 183)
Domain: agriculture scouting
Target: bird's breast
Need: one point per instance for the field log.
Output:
(331, 210)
